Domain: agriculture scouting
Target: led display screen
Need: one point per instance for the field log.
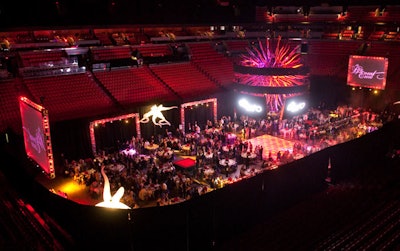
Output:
(34, 135)
(367, 72)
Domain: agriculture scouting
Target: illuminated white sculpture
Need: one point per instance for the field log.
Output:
(111, 201)
(155, 111)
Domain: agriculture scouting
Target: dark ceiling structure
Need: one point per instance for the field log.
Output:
(14, 14)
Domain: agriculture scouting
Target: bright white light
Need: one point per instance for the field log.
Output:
(295, 107)
(249, 107)
(108, 200)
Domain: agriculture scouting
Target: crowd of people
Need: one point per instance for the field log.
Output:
(221, 152)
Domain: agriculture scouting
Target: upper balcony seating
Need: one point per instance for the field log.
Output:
(234, 46)
(9, 113)
(39, 57)
(376, 35)
(215, 64)
(185, 79)
(101, 54)
(154, 50)
(70, 96)
(134, 86)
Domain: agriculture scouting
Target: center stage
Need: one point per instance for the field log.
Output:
(271, 143)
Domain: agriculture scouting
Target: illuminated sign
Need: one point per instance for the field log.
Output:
(295, 107)
(249, 107)
(157, 116)
(361, 74)
(367, 72)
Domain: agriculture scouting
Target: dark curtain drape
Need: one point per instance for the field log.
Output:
(111, 136)
(198, 114)
(72, 139)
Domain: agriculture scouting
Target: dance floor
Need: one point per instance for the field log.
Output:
(271, 143)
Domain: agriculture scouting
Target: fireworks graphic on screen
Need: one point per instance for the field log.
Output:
(262, 55)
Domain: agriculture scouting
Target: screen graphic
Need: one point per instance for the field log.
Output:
(36, 136)
(367, 72)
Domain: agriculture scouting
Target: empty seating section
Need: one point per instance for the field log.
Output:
(262, 14)
(212, 63)
(104, 38)
(392, 13)
(376, 35)
(391, 36)
(330, 35)
(236, 45)
(154, 50)
(184, 79)
(393, 74)
(9, 115)
(383, 49)
(347, 34)
(330, 57)
(70, 96)
(333, 47)
(119, 39)
(134, 86)
(110, 53)
(362, 13)
(36, 58)
(336, 66)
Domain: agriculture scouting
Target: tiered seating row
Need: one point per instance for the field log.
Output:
(333, 47)
(9, 113)
(110, 53)
(237, 45)
(383, 49)
(376, 35)
(319, 65)
(184, 79)
(216, 65)
(104, 38)
(70, 96)
(35, 58)
(134, 86)
(154, 50)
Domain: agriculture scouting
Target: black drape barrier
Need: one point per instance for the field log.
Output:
(338, 92)
(112, 136)
(207, 221)
(71, 138)
(198, 114)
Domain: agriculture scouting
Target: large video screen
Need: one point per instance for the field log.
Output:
(367, 72)
(34, 134)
